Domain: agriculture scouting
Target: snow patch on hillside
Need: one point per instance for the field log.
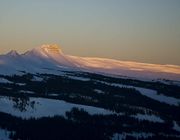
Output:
(41, 107)
(176, 126)
(2, 80)
(79, 78)
(151, 118)
(4, 134)
(137, 135)
(148, 93)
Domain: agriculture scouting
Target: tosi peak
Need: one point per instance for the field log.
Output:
(51, 49)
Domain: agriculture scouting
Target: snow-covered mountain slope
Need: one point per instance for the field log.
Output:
(44, 59)
(128, 68)
(51, 54)
(50, 58)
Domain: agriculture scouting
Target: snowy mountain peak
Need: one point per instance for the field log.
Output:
(46, 51)
(13, 53)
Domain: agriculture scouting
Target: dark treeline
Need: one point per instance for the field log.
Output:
(78, 124)
(83, 92)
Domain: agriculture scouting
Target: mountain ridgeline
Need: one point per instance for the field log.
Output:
(51, 59)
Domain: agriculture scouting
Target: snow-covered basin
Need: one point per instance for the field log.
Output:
(4, 134)
(45, 108)
(149, 93)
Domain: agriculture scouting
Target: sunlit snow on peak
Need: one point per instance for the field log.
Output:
(53, 49)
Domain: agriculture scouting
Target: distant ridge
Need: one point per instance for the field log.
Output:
(52, 57)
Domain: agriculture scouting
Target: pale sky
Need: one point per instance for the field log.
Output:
(135, 30)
